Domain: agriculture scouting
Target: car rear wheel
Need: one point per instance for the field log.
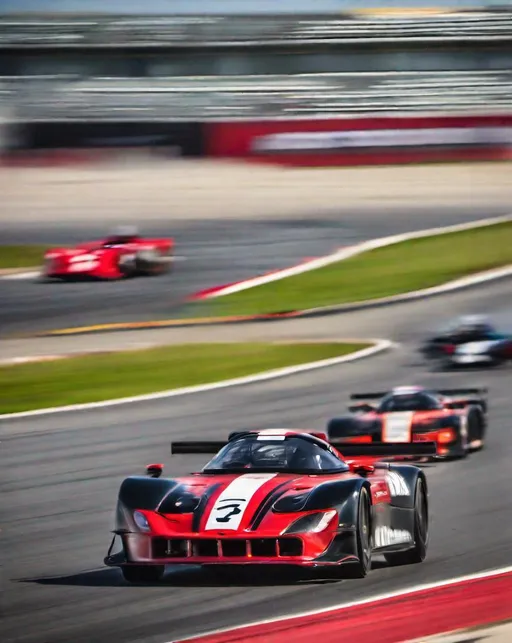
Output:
(363, 538)
(421, 531)
(152, 262)
(143, 573)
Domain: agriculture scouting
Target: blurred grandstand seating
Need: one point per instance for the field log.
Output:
(263, 96)
(483, 83)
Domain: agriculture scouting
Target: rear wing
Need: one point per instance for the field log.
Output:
(448, 392)
(385, 449)
(198, 446)
(463, 392)
(363, 450)
(367, 396)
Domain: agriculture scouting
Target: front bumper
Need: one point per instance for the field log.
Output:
(304, 549)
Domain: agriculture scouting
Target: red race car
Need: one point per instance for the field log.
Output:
(456, 419)
(275, 497)
(123, 254)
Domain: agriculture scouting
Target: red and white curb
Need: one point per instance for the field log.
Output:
(341, 255)
(466, 601)
(379, 345)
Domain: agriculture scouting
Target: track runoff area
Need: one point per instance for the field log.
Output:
(413, 615)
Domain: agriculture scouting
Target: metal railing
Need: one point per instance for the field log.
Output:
(207, 31)
(303, 95)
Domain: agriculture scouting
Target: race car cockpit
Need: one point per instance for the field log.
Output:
(121, 236)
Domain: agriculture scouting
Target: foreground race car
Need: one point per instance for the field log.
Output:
(455, 419)
(275, 497)
(469, 341)
(123, 254)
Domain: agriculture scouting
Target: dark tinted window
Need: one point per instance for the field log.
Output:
(409, 402)
(271, 454)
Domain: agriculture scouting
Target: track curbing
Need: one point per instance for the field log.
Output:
(415, 589)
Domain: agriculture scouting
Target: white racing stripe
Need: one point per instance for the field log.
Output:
(230, 506)
(396, 427)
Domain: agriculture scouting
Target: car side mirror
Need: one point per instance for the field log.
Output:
(154, 470)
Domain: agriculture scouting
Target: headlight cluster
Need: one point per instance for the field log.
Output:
(141, 521)
(313, 523)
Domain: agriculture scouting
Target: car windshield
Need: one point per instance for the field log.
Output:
(418, 401)
(275, 454)
(469, 324)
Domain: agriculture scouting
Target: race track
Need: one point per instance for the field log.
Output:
(210, 252)
(61, 473)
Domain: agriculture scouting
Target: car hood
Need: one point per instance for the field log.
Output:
(232, 502)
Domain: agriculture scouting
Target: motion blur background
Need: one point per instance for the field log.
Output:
(150, 75)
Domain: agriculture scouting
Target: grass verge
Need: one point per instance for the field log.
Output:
(91, 378)
(404, 267)
(21, 256)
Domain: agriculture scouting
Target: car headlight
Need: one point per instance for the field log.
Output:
(313, 523)
(141, 521)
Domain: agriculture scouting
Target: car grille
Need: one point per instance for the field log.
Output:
(227, 547)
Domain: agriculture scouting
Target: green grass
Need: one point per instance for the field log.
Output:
(92, 378)
(392, 270)
(21, 256)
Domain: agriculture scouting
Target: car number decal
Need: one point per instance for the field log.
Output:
(229, 508)
(396, 427)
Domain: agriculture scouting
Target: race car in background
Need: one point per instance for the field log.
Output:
(122, 254)
(455, 419)
(275, 497)
(469, 341)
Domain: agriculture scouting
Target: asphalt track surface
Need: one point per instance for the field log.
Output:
(211, 252)
(61, 473)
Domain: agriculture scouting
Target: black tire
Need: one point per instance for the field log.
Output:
(363, 536)
(152, 262)
(476, 429)
(143, 573)
(421, 531)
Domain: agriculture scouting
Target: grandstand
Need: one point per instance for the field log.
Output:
(108, 67)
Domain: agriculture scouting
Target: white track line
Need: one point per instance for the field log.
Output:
(379, 346)
(351, 251)
(21, 275)
(366, 601)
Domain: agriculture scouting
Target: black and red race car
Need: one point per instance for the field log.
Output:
(455, 419)
(275, 497)
(122, 254)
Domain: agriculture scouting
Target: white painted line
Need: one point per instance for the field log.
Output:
(415, 589)
(379, 346)
(21, 275)
(351, 251)
(12, 361)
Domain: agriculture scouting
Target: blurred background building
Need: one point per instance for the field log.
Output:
(88, 73)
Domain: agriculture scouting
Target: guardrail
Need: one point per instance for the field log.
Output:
(206, 31)
(264, 97)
